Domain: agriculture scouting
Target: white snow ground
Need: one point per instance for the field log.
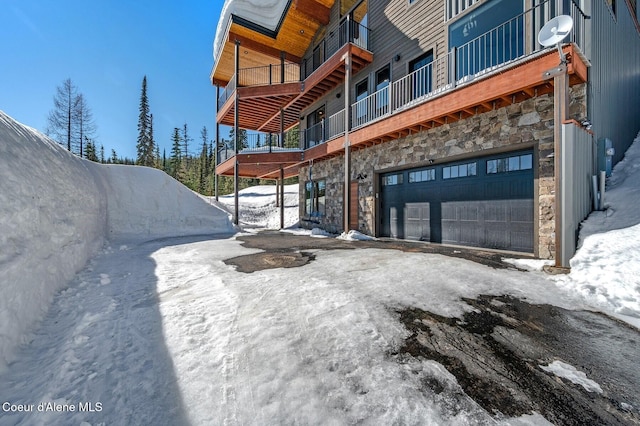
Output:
(159, 330)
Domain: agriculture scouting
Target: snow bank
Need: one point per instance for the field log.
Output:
(147, 203)
(57, 209)
(52, 219)
(258, 206)
(606, 267)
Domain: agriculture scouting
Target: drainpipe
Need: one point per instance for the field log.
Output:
(347, 144)
(236, 203)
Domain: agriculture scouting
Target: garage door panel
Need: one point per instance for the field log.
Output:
(493, 210)
(418, 221)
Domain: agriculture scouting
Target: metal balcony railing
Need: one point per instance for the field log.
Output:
(504, 44)
(348, 32)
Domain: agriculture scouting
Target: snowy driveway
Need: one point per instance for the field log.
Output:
(164, 332)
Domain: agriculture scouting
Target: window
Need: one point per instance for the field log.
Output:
(362, 91)
(383, 76)
(425, 175)
(314, 198)
(459, 171)
(422, 74)
(510, 164)
(394, 179)
(487, 36)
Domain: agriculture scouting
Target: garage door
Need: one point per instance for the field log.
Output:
(485, 202)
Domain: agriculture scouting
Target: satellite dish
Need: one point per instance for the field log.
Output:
(555, 30)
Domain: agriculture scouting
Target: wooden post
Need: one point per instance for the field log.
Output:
(281, 197)
(236, 186)
(347, 144)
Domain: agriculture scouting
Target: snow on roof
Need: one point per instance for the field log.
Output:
(265, 13)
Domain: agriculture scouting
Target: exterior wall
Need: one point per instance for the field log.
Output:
(518, 126)
(614, 76)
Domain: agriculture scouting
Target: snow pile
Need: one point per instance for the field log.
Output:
(147, 203)
(56, 210)
(354, 235)
(606, 268)
(258, 206)
(569, 372)
(52, 220)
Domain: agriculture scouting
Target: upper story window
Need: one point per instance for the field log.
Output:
(489, 35)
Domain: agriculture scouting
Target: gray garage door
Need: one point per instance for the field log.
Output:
(484, 202)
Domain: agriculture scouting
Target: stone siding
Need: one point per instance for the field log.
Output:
(522, 125)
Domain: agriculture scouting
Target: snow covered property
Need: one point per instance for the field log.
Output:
(440, 121)
(119, 307)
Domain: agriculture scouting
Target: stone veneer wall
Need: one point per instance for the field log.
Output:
(525, 124)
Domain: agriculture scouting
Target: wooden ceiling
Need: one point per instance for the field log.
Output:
(258, 48)
(265, 102)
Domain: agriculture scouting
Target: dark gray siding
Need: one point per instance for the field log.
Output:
(614, 77)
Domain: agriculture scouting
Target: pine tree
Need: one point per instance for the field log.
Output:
(242, 139)
(102, 154)
(176, 153)
(144, 143)
(185, 141)
(91, 154)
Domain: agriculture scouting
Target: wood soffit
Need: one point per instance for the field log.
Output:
(301, 22)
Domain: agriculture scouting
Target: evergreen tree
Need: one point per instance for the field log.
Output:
(144, 146)
(176, 153)
(242, 139)
(91, 150)
(102, 154)
(185, 141)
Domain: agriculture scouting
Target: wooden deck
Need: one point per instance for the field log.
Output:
(504, 87)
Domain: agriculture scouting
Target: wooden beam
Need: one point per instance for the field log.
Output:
(313, 10)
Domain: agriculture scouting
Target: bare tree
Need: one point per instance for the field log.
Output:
(70, 120)
(85, 126)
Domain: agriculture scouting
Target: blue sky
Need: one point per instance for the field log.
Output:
(106, 48)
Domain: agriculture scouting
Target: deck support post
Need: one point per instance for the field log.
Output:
(217, 138)
(281, 197)
(236, 185)
(347, 144)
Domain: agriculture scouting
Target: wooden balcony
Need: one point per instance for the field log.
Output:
(507, 85)
(259, 107)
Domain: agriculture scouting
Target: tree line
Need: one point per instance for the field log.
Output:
(192, 163)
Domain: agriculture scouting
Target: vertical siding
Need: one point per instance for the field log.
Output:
(614, 77)
(578, 155)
